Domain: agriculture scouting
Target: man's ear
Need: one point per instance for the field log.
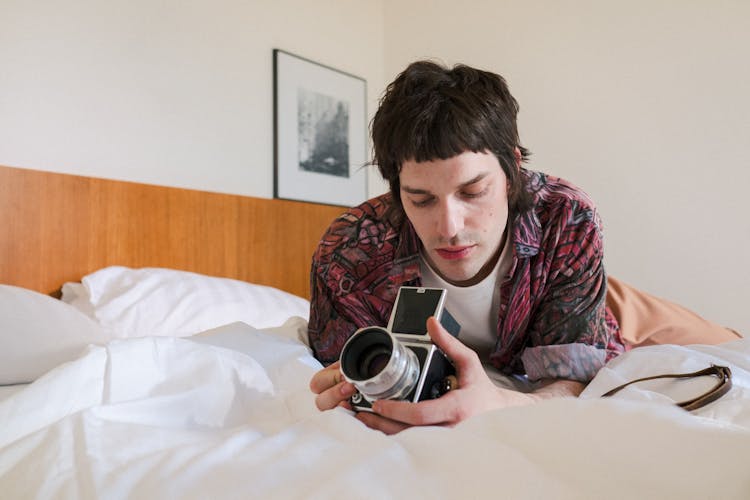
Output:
(517, 155)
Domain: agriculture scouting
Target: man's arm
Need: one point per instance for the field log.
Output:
(558, 389)
(569, 336)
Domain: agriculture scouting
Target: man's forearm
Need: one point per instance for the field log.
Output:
(548, 389)
(558, 389)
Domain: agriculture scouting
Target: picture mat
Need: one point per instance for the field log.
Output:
(294, 183)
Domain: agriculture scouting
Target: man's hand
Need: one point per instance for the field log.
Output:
(475, 394)
(331, 388)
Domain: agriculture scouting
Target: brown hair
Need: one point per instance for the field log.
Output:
(433, 112)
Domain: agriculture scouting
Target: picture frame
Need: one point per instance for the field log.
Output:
(320, 132)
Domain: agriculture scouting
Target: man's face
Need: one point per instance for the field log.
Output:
(459, 208)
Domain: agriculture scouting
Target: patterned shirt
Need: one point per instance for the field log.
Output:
(553, 322)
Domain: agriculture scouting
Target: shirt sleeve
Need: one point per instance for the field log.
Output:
(329, 325)
(328, 330)
(569, 337)
(340, 301)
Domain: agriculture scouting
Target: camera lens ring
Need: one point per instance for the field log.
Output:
(394, 379)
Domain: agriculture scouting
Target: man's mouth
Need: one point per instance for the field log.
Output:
(453, 253)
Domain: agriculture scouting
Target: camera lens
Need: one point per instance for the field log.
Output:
(378, 365)
(374, 360)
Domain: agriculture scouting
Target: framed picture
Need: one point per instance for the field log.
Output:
(320, 132)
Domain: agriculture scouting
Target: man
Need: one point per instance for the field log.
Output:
(520, 253)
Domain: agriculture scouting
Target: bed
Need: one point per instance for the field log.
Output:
(153, 346)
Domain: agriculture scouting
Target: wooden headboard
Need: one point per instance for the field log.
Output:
(58, 228)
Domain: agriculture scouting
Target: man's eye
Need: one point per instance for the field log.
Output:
(474, 193)
(421, 203)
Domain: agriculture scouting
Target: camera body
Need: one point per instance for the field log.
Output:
(400, 361)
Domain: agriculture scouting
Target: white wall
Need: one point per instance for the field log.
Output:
(645, 104)
(171, 92)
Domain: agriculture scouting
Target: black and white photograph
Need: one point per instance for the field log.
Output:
(320, 132)
(323, 133)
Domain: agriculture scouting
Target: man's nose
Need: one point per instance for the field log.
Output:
(450, 220)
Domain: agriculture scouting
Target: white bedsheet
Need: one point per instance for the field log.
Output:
(7, 391)
(180, 418)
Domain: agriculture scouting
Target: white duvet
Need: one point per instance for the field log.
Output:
(229, 415)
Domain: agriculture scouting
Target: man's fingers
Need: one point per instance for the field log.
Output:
(326, 378)
(429, 412)
(331, 388)
(380, 423)
(462, 356)
(334, 396)
(441, 338)
(464, 359)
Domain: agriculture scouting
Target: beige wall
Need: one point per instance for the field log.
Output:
(171, 92)
(645, 104)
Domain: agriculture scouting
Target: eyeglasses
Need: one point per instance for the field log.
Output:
(723, 373)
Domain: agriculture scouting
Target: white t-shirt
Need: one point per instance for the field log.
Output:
(475, 307)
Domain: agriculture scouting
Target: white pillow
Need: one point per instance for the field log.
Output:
(166, 302)
(38, 333)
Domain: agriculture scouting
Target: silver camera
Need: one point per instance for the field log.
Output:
(400, 361)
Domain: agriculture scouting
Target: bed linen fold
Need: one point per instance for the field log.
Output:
(229, 415)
